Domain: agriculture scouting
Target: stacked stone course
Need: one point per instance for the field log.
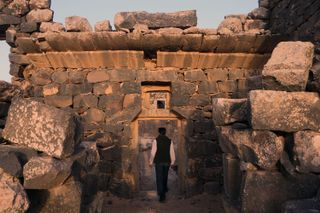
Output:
(270, 138)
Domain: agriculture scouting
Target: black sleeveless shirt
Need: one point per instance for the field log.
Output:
(163, 150)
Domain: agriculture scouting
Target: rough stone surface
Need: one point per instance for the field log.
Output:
(10, 164)
(17, 8)
(276, 189)
(65, 198)
(307, 151)
(299, 206)
(259, 13)
(8, 91)
(51, 27)
(13, 198)
(103, 26)
(181, 19)
(40, 15)
(284, 111)
(262, 148)
(288, 68)
(226, 111)
(230, 25)
(77, 24)
(40, 4)
(45, 173)
(41, 127)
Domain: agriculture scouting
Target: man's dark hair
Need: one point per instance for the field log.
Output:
(162, 131)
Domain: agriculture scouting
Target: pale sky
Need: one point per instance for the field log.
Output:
(210, 13)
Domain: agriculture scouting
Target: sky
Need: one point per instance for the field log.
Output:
(210, 13)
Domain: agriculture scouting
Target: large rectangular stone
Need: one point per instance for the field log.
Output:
(180, 19)
(289, 66)
(177, 59)
(284, 111)
(164, 75)
(265, 192)
(39, 60)
(41, 127)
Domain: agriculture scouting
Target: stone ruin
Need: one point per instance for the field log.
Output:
(243, 99)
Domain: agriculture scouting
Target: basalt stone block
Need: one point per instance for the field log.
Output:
(45, 172)
(217, 74)
(195, 75)
(41, 77)
(94, 115)
(41, 127)
(17, 8)
(276, 189)
(77, 76)
(230, 25)
(284, 111)
(28, 27)
(259, 13)
(130, 87)
(227, 111)
(18, 59)
(40, 4)
(103, 26)
(27, 45)
(85, 100)
(307, 151)
(16, 70)
(77, 24)
(111, 103)
(51, 27)
(40, 15)
(60, 101)
(9, 19)
(24, 154)
(64, 198)
(288, 67)
(98, 76)
(8, 91)
(262, 148)
(75, 89)
(121, 75)
(304, 205)
(60, 77)
(181, 93)
(181, 19)
(13, 198)
(158, 76)
(208, 87)
(10, 164)
(50, 89)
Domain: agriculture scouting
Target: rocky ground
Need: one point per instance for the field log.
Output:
(201, 203)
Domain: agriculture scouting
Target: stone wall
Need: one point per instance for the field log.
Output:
(270, 138)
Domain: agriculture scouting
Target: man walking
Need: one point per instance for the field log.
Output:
(162, 155)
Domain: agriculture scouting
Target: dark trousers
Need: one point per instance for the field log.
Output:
(162, 170)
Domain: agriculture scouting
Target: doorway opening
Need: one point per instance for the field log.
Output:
(156, 113)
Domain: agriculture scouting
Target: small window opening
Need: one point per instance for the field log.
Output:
(161, 104)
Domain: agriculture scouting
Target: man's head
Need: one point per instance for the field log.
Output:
(162, 131)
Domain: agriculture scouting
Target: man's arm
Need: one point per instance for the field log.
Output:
(172, 154)
(153, 151)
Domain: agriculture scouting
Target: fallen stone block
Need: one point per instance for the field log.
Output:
(181, 19)
(267, 191)
(13, 198)
(41, 127)
(261, 148)
(45, 173)
(230, 25)
(77, 24)
(307, 151)
(299, 206)
(103, 26)
(40, 15)
(51, 27)
(284, 111)
(288, 68)
(64, 198)
(227, 111)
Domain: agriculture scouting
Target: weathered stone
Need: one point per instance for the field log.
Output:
(122, 75)
(304, 205)
(41, 127)
(45, 173)
(18, 59)
(85, 100)
(41, 77)
(130, 87)
(77, 24)
(261, 148)
(259, 13)
(60, 77)
(10, 164)
(181, 19)
(140, 28)
(17, 8)
(98, 76)
(77, 76)
(217, 74)
(16, 70)
(11, 35)
(105, 88)
(13, 198)
(27, 45)
(181, 93)
(94, 115)
(28, 27)
(64, 198)
(40, 4)
(194, 75)
(103, 26)
(264, 3)
(163, 76)
(75, 89)
(227, 86)
(9, 19)
(40, 15)
(178, 59)
(170, 30)
(23, 153)
(288, 67)
(4, 108)
(50, 89)
(284, 111)
(254, 24)
(51, 27)
(276, 189)
(208, 87)
(131, 100)
(230, 25)
(110, 103)
(307, 151)
(59, 100)
(227, 111)
(8, 91)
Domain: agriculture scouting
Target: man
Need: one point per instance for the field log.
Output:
(162, 155)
